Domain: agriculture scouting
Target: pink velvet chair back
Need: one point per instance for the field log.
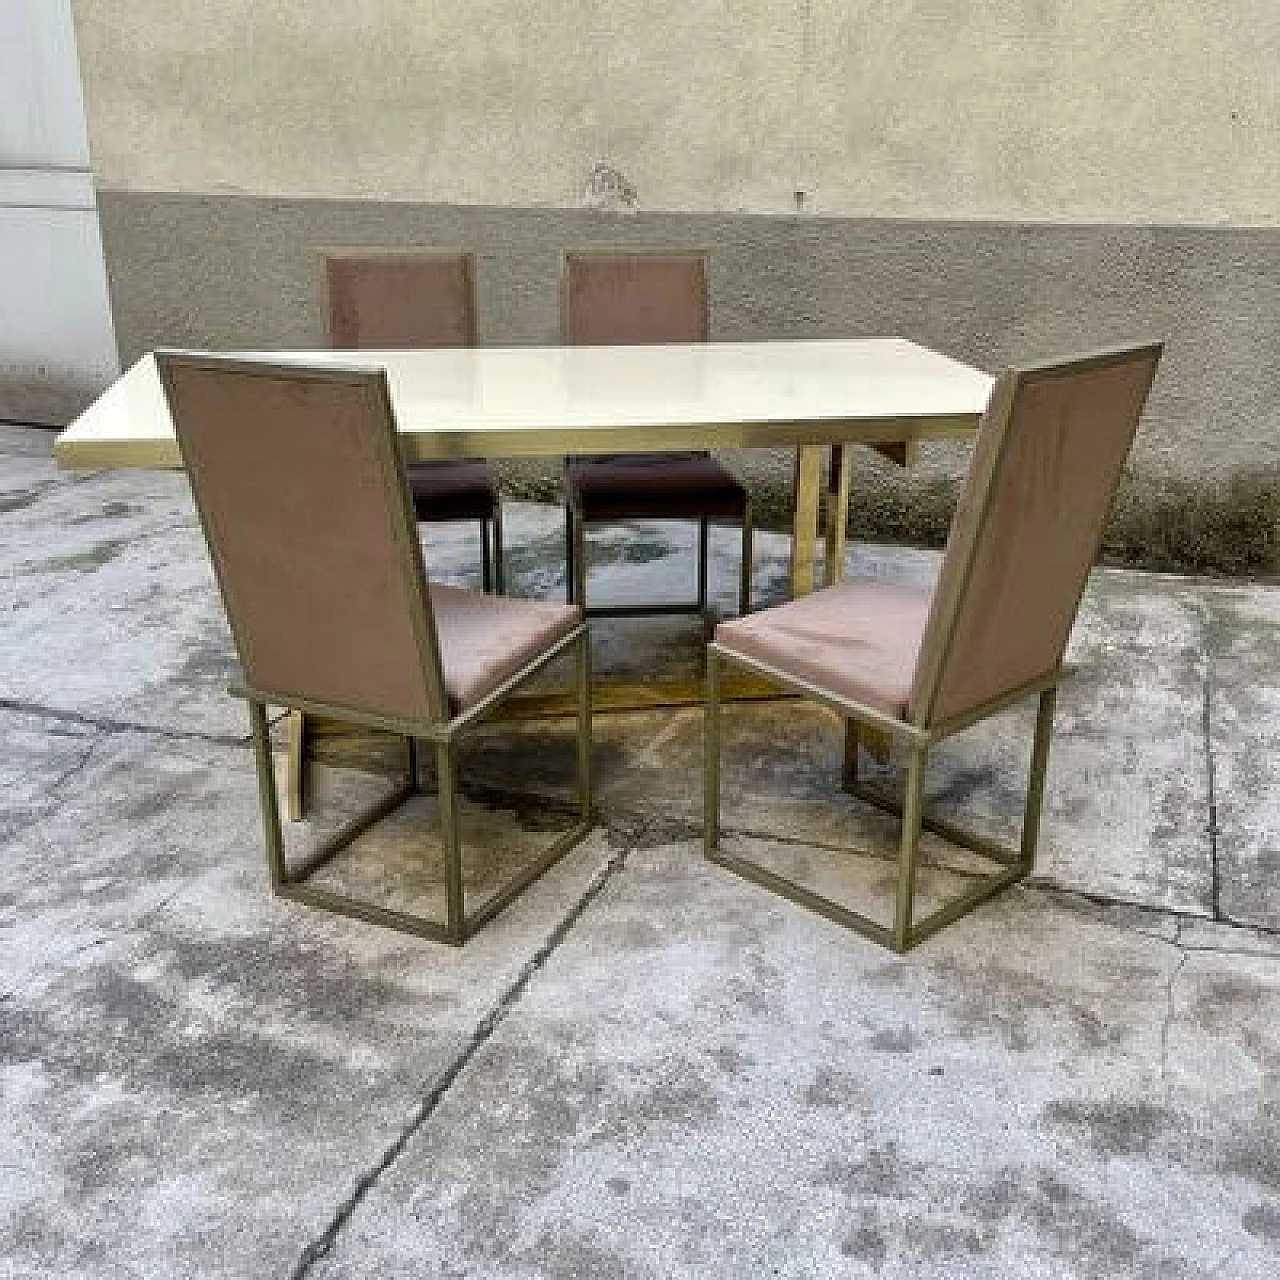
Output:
(627, 299)
(301, 492)
(1049, 457)
(401, 298)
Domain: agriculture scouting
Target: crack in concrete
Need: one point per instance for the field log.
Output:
(483, 1031)
(1215, 883)
(107, 724)
(76, 769)
(1169, 1015)
(644, 829)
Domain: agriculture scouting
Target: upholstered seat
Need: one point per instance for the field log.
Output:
(860, 640)
(659, 486)
(485, 639)
(464, 490)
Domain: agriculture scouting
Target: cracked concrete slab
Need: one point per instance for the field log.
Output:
(696, 1078)
(745, 1090)
(193, 1072)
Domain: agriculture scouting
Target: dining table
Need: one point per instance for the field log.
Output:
(812, 397)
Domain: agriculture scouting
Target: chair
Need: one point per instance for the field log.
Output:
(620, 300)
(301, 490)
(419, 298)
(923, 665)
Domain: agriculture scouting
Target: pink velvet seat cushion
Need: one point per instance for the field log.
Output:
(484, 639)
(462, 490)
(858, 640)
(680, 486)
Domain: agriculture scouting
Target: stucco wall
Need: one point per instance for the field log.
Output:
(1055, 110)
(235, 271)
(1003, 181)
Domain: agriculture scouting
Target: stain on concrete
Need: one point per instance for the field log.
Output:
(89, 561)
(1074, 1226)
(209, 667)
(1112, 1128)
(895, 1040)
(882, 1173)
(18, 499)
(928, 1241)
(1263, 1221)
(868, 1244)
(831, 1087)
(991, 998)
(108, 511)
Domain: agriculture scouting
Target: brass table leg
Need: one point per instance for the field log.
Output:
(295, 797)
(838, 478)
(804, 532)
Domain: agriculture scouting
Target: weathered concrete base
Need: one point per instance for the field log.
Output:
(645, 1066)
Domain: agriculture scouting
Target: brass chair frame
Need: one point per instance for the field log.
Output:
(920, 734)
(439, 730)
(905, 932)
(575, 530)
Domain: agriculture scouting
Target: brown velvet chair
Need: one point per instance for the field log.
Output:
(420, 298)
(302, 494)
(622, 299)
(921, 665)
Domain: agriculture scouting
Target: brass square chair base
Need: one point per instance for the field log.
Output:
(458, 926)
(906, 932)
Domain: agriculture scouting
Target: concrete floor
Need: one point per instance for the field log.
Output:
(644, 1067)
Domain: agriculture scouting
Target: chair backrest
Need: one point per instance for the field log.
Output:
(628, 299)
(401, 298)
(301, 491)
(1049, 457)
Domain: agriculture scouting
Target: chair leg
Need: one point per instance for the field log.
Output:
(486, 559)
(447, 798)
(570, 568)
(499, 562)
(296, 776)
(1036, 776)
(703, 540)
(849, 770)
(267, 797)
(908, 851)
(411, 761)
(579, 537)
(711, 759)
(744, 584)
(584, 725)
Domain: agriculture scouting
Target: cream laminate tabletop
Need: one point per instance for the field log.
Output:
(529, 401)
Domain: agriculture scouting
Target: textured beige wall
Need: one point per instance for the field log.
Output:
(1065, 110)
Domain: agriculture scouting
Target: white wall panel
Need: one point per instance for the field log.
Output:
(57, 347)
